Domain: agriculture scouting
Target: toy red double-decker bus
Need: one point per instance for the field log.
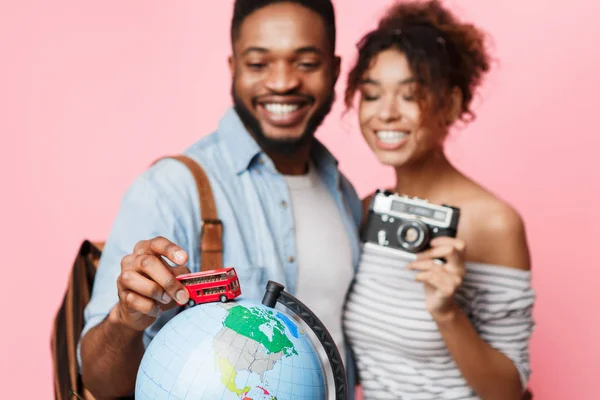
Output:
(215, 285)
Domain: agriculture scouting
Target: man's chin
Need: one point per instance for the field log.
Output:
(284, 144)
(283, 134)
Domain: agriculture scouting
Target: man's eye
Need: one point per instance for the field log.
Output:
(408, 97)
(256, 66)
(309, 65)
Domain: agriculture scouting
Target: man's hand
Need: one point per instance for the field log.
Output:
(441, 280)
(147, 284)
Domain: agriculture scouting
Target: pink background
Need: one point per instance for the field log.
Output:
(92, 92)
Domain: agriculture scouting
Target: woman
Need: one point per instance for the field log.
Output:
(420, 329)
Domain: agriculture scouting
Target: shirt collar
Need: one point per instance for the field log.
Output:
(326, 164)
(244, 149)
(238, 141)
(322, 157)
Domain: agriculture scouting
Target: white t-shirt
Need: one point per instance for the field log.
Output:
(323, 250)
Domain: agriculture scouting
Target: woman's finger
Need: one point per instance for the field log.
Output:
(458, 244)
(423, 265)
(435, 252)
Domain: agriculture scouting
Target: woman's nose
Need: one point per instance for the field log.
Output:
(389, 110)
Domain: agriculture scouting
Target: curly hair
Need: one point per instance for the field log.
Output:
(442, 52)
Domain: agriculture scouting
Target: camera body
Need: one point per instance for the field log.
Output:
(407, 224)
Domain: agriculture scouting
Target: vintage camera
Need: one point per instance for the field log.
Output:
(407, 224)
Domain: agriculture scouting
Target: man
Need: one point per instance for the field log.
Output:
(288, 213)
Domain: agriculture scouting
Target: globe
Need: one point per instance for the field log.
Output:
(240, 349)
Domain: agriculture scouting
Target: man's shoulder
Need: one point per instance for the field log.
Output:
(169, 181)
(206, 145)
(348, 187)
(168, 170)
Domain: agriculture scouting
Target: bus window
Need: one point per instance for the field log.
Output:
(215, 290)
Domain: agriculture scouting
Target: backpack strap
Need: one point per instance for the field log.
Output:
(69, 322)
(211, 229)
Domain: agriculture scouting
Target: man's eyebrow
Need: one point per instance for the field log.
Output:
(370, 81)
(254, 49)
(309, 49)
(300, 50)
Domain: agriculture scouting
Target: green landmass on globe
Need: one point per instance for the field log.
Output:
(239, 347)
(260, 326)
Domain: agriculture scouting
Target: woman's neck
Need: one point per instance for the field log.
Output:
(426, 178)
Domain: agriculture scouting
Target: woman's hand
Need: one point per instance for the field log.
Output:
(441, 280)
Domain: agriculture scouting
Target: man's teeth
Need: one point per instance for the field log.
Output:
(281, 109)
(391, 136)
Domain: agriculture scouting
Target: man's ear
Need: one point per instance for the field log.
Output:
(337, 65)
(231, 62)
(455, 106)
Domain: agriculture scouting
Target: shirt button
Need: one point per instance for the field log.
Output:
(283, 204)
(291, 259)
(260, 161)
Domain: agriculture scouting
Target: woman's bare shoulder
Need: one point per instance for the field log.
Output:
(494, 231)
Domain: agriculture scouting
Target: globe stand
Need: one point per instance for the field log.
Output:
(275, 294)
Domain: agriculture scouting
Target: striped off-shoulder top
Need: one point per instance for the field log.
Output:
(399, 351)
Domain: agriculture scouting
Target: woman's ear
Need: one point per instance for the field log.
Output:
(454, 106)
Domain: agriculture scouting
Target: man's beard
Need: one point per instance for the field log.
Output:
(281, 146)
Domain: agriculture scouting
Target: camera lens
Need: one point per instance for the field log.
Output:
(413, 235)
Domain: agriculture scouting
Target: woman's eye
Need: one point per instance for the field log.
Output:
(409, 94)
(367, 97)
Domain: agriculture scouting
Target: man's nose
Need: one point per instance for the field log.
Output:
(282, 78)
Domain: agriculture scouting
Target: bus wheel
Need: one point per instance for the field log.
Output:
(223, 298)
(191, 303)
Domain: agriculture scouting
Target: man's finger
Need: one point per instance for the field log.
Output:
(180, 270)
(140, 304)
(128, 262)
(156, 270)
(164, 247)
(133, 281)
(176, 270)
(141, 247)
(166, 307)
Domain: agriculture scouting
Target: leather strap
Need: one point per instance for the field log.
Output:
(211, 229)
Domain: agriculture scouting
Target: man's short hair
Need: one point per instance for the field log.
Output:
(243, 8)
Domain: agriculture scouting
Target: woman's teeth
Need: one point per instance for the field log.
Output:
(391, 136)
(281, 109)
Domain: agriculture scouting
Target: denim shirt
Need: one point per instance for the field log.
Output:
(258, 230)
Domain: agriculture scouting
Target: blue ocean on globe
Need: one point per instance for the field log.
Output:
(235, 350)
